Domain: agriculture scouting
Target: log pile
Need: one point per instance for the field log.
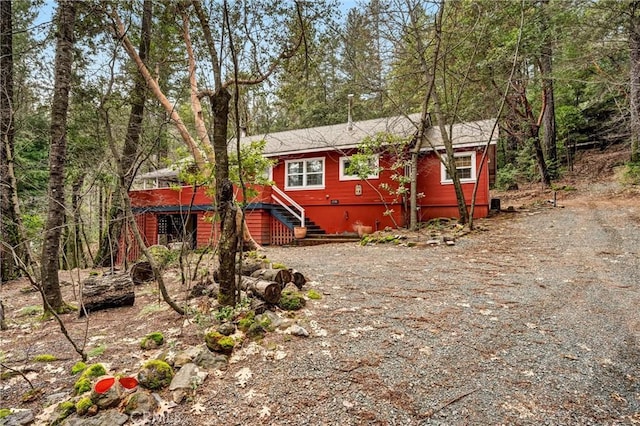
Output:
(261, 281)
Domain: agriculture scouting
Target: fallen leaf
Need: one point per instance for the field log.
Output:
(242, 376)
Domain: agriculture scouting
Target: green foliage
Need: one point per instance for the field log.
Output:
(78, 367)
(506, 177)
(631, 174)
(224, 313)
(163, 256)
(45, 358)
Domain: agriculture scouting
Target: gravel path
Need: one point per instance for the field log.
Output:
(533, 322)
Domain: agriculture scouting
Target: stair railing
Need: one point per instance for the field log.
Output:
(299, 214)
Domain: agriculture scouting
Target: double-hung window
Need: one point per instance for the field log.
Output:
(306, 173)
(465, 167)
(372, 168)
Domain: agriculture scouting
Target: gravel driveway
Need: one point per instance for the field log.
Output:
(534, 322)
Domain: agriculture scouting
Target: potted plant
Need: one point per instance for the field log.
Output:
(299, 232)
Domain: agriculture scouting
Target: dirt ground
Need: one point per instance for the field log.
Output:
(531, 319)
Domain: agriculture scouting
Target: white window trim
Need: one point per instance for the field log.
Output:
(443, 170)
(304, 175)
(375, 175)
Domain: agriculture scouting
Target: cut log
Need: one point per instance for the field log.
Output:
(281, 276)
(298, 279)
(141, 273)
(269, 291)
(249, 266)
(107, 291)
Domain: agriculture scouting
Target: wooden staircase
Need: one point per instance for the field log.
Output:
(315, 234)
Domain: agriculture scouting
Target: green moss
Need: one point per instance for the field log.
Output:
(256, 331)
(291, 301)
(97, 351)
(45, 358)
(218, 342)
(66, 409)
(4, 412)
(83, 405)
(278, 266)
(245, 323)
(151, 340)
(93, 371)
(78, 367)
(155, 374)
(81, 386)
(227, 343)
(313, 294)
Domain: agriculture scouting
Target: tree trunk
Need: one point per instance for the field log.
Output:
(110, 241)
(549, 112)
(74, 254)
(224, 199)
(12, 234)
(634, 79)
(57, 155)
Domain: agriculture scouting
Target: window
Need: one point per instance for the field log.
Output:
(374, 166)
(304, 174)
(465, 166)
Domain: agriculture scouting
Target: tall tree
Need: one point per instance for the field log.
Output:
(634, 78)
(545, 64)
(109, 242)
(65, 20)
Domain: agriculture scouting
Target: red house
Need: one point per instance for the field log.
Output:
(312, 185)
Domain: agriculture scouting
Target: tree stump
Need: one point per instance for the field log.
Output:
(141, 273)
(107, 291)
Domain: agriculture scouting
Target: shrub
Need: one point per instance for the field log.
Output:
(631, 174)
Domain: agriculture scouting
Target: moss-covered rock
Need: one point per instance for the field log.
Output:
(155, 375)
(4, 412)
(64, 410)
(83, 405)
(152, 340)
(218, 342)
(291, 300)
(83, 384)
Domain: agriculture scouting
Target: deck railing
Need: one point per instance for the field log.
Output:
(298, 214)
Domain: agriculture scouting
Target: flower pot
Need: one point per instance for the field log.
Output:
(299, 232)
(364, 230)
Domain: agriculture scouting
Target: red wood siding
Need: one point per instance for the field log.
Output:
(336, 207)
(440, 199)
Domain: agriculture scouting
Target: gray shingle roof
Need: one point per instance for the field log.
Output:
(338, 136)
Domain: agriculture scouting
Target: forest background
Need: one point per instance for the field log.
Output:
(106, 90)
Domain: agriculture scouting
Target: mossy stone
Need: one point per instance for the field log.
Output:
(83, 405)
(152, 340)
(155, 375)
(291, 300)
